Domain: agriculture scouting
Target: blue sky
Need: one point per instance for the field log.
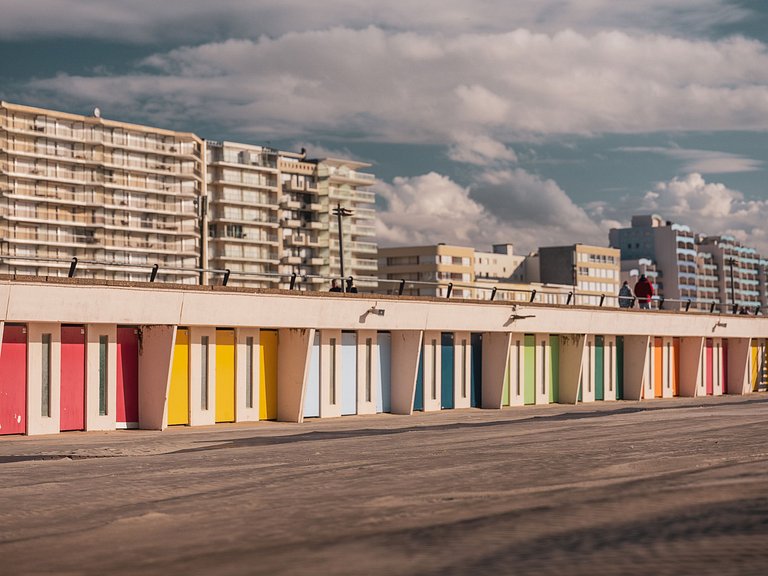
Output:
(534, 122)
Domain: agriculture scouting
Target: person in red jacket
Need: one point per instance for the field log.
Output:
(644, 292)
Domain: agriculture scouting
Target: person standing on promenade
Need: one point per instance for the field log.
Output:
(351, 288)
(335, 286)
(644, 292)
(625, 296)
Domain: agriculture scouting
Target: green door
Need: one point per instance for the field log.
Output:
(529, 390)
(599, 368)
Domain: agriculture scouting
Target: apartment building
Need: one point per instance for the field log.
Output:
(710, 272)
(427, 270)
(125, 199)
(119, 197)
(739, 271)
(342, 186)
(592, 271)
(435, 269)
(243, 227)
(671, 247)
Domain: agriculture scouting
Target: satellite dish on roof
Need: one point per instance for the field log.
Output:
(97, 112)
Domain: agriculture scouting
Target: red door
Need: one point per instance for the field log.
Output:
(725, 366)
(709, 368)
(72, 378)
(13, 380)
(127, 377)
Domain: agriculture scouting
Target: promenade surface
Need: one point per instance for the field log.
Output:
(659, 487)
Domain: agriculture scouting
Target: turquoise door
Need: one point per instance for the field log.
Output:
(446, 369)
(418, 398)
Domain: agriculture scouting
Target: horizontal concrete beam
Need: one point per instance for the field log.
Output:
(203, 306)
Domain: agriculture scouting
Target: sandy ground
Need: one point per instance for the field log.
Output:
(660, 487)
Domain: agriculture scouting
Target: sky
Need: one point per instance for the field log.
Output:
(533, 122)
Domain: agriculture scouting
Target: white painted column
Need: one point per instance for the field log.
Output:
(406, 346)
(367, 372)
(543, 368)
(202, 396)
(588, 370)
(691, 355)
(462, 364)
(635, 366)
(432, 371)
(330, 373)
(609, 368)
(247, 375)
(668, 370)
(717, 367)
(95, 417)
(516, 369)
(155, 361)
(293, 355)
(739, 355)
(37, 422)
(571, 357)
(495, 354)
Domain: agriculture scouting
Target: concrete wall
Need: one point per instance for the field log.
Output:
(414, 325)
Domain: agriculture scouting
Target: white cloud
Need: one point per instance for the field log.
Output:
(429, 209)
(703, 161)
(143, 21)
(480, 150)
(707, 207)
(401, 87)
(503, 206)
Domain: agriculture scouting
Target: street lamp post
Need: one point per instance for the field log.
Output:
(339, 212)
(730, 263)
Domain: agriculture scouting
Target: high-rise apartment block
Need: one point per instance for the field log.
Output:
(119, 197)
(123, 197)
(707, 271)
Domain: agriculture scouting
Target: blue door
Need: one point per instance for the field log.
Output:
(418, 399)
(446, 369)
(476, 371)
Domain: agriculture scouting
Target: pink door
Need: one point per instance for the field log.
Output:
(127, 377)
(72, 378)
(13, 380)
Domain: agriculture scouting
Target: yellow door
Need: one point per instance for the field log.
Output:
(755, 366)
(225, 375)
(268, 375)
(178, 395)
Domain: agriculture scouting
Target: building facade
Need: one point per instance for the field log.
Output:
(428, 270)
(119, 197)
(695, 270)
(342, 186)
(243, 210)
(592, 271)
(132, 202)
